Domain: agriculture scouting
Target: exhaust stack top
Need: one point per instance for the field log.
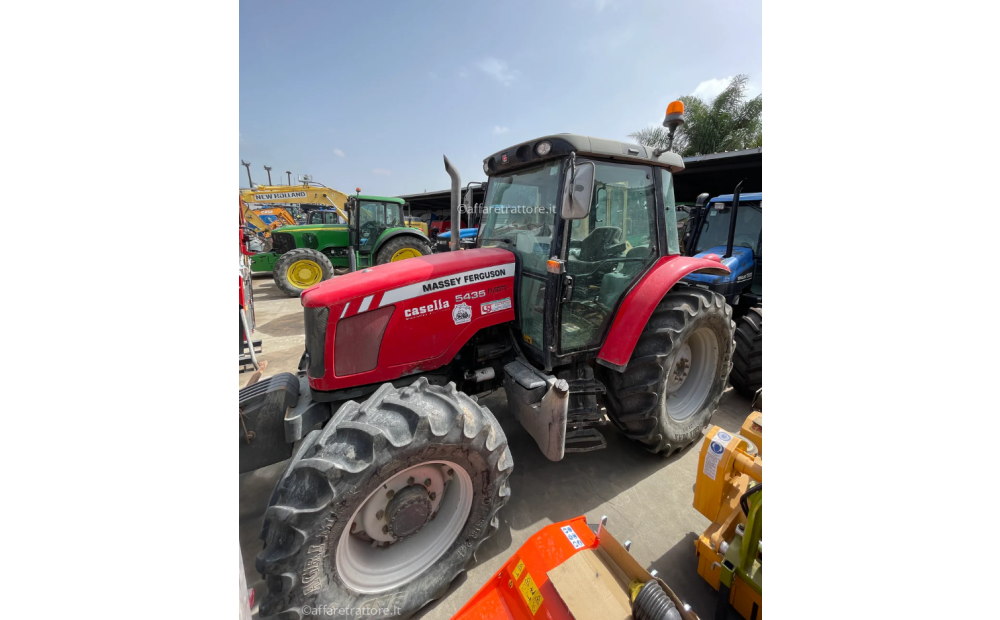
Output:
(456, 197)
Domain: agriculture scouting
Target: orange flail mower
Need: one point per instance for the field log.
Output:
(567, 572)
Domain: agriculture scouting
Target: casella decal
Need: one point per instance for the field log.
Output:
(431, 308)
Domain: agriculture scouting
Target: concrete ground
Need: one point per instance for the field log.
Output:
(647, 498)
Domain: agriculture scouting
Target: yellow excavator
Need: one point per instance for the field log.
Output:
(307, 194)
(252, 218)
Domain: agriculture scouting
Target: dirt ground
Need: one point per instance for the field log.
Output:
(647, 498)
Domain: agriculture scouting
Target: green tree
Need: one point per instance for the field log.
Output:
(729, 122)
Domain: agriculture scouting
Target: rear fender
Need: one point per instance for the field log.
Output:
(263, 406)
(639, 303)
(393, 233)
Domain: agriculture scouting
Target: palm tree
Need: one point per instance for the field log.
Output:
(727, 123)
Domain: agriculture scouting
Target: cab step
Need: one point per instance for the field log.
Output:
(585, 440)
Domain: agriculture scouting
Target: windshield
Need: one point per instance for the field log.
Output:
(715, 227)
(520, 213)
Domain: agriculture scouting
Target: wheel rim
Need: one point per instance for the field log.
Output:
(404, 254)
(304, 273)
(692, 374)
(370, 559)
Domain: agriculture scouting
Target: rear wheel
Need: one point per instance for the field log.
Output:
(401, 248)
(677, 373)
(386, 505)
(746, 375)
(298, 269)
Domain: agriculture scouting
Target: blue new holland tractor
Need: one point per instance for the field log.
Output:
(729, 226)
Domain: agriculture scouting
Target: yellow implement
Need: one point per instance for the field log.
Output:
(416, 223)
(728, 492)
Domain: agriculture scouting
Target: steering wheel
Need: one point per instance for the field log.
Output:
(367, 229)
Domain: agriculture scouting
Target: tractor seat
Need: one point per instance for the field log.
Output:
(602, 243)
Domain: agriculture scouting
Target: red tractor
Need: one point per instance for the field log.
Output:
(570, 301)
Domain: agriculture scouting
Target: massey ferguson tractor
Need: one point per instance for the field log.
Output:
(570, 301)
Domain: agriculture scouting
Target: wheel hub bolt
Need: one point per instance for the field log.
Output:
(433, 496)
(390, 494)
(409, 480)
(427, 482)
(378, 515)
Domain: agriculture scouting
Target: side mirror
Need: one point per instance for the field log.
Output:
(576, 206)
(701, 200)
(467, 201)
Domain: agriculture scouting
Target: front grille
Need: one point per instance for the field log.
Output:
(282, 242)
(316, 320)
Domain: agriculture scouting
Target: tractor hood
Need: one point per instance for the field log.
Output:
(308, 227)
(403, 318)
(382, 285)
(739, 263)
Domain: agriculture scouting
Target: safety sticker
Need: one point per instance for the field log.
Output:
(531, 594)
(518, 570)
(571, 535)
(489, 307)
(462, 313)
(715, 450)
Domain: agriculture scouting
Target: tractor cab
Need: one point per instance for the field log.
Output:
(576, 262)
(375, 220)
(708, 233)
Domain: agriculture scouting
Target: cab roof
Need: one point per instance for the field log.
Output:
(382, 199)
(525, 153)
(749, 196)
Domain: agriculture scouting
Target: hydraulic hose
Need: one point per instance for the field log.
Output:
(652, 603)
(744, 499)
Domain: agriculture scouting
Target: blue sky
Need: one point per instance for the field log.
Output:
(371, 94)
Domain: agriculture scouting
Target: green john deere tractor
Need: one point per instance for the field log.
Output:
(303, 256)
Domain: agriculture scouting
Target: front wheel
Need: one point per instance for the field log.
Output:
(677, 373)
(386, 505)
(298, 269)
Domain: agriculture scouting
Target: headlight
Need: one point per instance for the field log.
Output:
(486, 167)
(543, 148)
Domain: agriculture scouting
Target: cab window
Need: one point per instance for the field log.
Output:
(369, 212)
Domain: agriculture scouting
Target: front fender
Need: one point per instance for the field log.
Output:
(639, 303)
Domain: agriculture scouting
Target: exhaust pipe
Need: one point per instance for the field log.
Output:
(732, 219)
(456, 198)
